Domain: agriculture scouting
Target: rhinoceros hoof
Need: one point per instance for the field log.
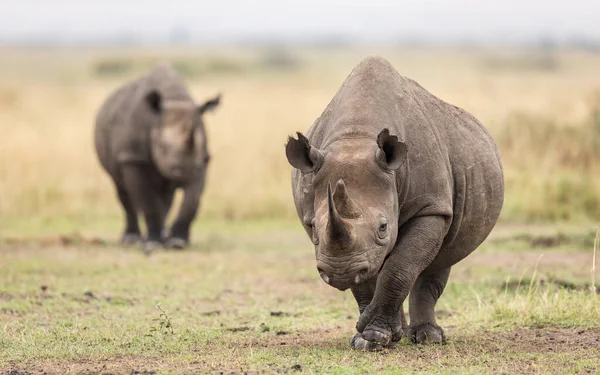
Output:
(176, 243)
(360, 343)
(426, 333)
(129, 239)
(151, 246)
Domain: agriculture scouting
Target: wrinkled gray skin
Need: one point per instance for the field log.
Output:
(394, 187)
(150, 138)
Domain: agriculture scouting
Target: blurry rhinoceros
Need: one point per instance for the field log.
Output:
(394, 186)
(150, 138)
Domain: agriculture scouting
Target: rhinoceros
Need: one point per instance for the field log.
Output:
(151, 140)
(394, 186)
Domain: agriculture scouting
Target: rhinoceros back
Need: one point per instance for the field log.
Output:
(123, 123)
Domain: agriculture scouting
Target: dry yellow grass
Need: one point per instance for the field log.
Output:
(48, 100)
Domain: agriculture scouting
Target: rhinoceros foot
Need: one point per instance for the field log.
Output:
(426, 333)
(379, 327)
(358, 342)
(129, 239)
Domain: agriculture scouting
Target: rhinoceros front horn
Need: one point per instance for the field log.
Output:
(343, 203)
(338, 229)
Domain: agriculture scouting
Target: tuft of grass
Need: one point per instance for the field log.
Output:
(537, 306)
(164, 324)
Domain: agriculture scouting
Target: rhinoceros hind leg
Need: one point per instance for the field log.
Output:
(423, 297)
(166, 203)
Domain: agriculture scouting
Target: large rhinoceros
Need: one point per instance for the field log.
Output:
(394, 187)
(150, 138)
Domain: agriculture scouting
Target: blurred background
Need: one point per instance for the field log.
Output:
(530, 71)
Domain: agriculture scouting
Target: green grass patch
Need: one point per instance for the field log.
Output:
(248, 298)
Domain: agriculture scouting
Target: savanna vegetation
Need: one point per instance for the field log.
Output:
(542, 107)
(246, 297)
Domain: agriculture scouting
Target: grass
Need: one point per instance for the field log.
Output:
(544, 120)
(247, 298)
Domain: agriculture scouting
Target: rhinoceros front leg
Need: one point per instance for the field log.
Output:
(179, 235)
(146, 199)
(363, 294)
(419, 241)
(423, 297)
(132, 234)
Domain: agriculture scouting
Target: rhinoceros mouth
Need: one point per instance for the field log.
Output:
(343, 279)
(340, 284)
(180, 174)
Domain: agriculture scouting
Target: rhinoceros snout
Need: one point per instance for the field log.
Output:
(177, 172)
(343, 278)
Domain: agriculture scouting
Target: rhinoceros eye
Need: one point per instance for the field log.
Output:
(383, 227)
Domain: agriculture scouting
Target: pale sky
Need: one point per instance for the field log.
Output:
(383, 19)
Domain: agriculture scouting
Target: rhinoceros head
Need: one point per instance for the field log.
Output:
(353, 217)
(178, 143)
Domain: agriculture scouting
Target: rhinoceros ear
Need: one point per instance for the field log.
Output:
(210, 105)
(301, 155)
(392, 152)
(154, 101)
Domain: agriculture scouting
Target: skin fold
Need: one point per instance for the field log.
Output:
(394, 187)
(150, 139)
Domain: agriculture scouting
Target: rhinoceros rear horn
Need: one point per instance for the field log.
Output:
(338, 229)
(301, 155)
(392, 153)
